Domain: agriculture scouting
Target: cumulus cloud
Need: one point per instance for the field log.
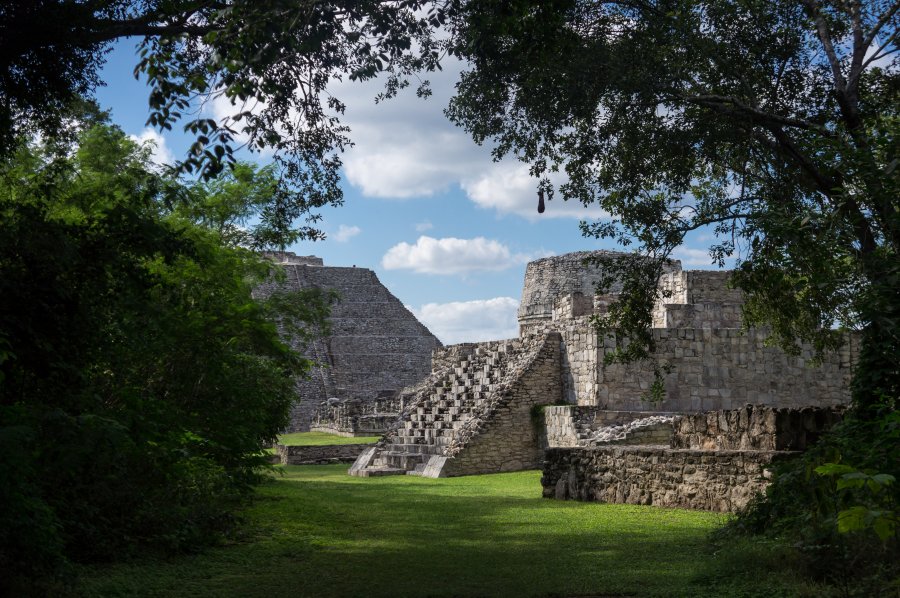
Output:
(507, 187)
(421, 227)
(345, 233)
(451, 256)
(471, 321)
(161, 153)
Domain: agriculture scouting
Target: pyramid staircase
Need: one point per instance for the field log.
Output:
(449, 408)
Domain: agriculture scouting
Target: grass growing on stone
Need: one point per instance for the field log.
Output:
(318, 532)
(322, 439)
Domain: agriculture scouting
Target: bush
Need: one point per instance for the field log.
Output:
(837, 505)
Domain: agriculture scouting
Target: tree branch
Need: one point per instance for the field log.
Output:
(723, 103)
(882, 21)
(825, 37)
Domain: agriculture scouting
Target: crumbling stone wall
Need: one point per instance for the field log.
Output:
(716, 461)
(724, 369)
(644, 475)
(754, 427)
(319, 455)
(712, 363)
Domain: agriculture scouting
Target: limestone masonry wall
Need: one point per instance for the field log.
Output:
(723, 369)
(712, 363)
(715, 461)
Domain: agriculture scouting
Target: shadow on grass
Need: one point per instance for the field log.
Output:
(322, 533)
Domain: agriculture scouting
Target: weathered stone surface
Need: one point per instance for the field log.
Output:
(376, 346)
(754, 427)
(713, 363)
(708, 480)
(317, 455)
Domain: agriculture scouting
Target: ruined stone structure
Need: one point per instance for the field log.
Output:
(714, 461)
(376, 346)
(487, 407)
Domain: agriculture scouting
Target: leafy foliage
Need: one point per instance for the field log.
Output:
(269, 62)
(838, 504)
(139, 378)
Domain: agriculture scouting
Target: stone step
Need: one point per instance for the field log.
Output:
(378, 471)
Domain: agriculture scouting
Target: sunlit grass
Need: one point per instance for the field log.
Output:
(318, 532)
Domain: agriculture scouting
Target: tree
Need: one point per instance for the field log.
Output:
(139, 378)
(773, 122)
(271, 60)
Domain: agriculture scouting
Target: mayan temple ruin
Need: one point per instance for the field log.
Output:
(731, 404)
(376, 347)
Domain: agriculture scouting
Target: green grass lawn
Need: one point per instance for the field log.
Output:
(317, 532)
(322, 439)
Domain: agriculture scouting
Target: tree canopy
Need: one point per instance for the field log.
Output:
(271, 61)
(773, 122)
(139, 377)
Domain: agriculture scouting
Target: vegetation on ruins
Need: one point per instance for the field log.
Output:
(772, 123)
(317, 532)
(269, 61)
(139, 379)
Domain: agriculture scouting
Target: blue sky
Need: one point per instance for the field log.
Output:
(445, 228)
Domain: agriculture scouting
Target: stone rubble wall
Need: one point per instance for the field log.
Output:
(722, 481)
(754, 427)
(319, 455)
(376, 346)
(716, 461)
(353, 417)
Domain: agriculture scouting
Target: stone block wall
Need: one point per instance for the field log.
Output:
(560, 429)
(754, 427)
(697, 315)
(693, 479)
(319, 455)
(724, 369)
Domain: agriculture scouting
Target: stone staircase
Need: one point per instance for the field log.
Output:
(451, 407)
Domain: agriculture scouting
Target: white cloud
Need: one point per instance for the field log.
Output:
(421, 227)
(693, 257)
(161, 153)
(405, 147)
(471, 321)
(345, 233)
(451, 256)
(508, 188)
